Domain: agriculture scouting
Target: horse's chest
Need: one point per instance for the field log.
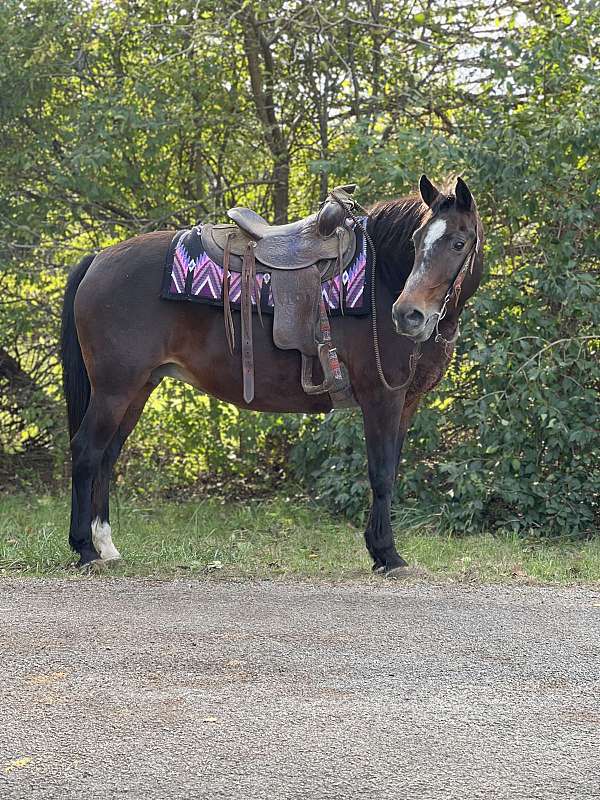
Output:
(430, 371)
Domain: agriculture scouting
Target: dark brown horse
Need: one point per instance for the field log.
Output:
(119, 340)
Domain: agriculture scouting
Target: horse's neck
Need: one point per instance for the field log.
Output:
(394, 255)
(392, 269)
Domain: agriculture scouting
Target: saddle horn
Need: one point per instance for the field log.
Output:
(334, 210)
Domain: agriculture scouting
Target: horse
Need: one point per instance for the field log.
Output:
(119, 339)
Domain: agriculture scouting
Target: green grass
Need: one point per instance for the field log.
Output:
(270, 538)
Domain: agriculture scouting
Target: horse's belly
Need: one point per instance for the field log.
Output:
(268, 397)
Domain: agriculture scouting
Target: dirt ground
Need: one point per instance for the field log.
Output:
(137, 688)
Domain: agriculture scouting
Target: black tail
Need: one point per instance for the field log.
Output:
(76, 383)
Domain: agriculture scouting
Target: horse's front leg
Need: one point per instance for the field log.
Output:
(383, 438)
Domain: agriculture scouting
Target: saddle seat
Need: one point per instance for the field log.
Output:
(329, 217)
(258, 227)
(298, 256)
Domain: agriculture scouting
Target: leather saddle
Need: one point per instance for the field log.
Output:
(298, 257)
(317, 239)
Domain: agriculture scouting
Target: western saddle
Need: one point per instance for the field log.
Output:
(295, 259)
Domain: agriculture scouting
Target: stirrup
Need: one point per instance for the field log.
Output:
(340, 392)
(306, 378)
(336, 377)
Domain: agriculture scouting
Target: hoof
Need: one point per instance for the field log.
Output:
(108, 563)
(87, 557)
(112, 559)
(398, 573)
(406, 573)
(389, 568)
(99, 566)
(88, 566)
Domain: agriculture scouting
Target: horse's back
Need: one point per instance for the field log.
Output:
(140, 258)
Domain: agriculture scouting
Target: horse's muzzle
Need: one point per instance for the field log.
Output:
(409, 321)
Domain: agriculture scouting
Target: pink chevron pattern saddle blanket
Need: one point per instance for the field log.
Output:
(191, 275)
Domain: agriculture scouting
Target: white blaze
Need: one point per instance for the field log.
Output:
(435, 231)
(102, 539)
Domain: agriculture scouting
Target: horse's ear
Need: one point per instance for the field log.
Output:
(428, 191)
(464, 198)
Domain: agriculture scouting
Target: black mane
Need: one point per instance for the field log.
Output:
(391, 224)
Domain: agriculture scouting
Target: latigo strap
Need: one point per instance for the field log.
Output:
(248, 267)
(228, 317)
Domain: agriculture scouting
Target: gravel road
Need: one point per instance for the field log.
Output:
(114, 688)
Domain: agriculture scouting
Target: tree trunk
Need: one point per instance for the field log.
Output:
(261, 67)
(18, 384)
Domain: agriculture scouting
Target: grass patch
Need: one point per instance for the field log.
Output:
(269, 538)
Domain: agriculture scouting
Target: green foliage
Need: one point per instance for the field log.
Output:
(117, 118)
(181, 437)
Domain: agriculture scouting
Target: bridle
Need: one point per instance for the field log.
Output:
(454, 289)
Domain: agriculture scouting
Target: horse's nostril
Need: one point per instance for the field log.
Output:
(414, 318)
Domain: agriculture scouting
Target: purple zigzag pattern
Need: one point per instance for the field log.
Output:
(208, 279)
(182, 263)
(331, 291)
(256, 289)
(356, 281)
(354, 286)
(235, 288)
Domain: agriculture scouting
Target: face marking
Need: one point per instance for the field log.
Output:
(102, 539)
(435, 231)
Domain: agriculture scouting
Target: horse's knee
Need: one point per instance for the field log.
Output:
(382, 483)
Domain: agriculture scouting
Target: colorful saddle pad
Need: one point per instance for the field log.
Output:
(191, 275)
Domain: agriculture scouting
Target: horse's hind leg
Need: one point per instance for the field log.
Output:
(99, 425)
(101, 530)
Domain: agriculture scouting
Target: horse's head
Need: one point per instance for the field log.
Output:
(447, 240)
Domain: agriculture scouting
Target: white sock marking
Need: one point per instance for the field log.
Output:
(102, 539)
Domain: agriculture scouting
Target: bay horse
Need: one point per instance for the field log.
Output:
(119, 340)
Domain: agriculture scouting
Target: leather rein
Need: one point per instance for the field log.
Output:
(454, 289)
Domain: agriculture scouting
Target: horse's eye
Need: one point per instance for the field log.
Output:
(458, 245)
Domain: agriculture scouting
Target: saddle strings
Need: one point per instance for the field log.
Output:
(229, 327)
(340, 266)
